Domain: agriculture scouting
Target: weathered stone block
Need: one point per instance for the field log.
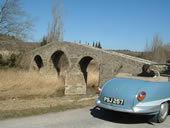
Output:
(75, 83)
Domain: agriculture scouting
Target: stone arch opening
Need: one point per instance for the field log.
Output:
(83, 66)
(60, 65)
(90, 70)
(60, 62)
(39, 62)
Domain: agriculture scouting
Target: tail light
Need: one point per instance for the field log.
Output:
(99, 90)
(141, 96)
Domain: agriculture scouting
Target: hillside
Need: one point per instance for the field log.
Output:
(8, 43)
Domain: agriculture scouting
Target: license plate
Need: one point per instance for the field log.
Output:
(114, 100)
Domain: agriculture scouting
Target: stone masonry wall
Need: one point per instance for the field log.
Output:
(109, 63)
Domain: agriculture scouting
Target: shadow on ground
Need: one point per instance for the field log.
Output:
(118, 117)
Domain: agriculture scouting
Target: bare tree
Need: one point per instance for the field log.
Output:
(55, 31)
(147, 51)
(13, 20)
(158, 51)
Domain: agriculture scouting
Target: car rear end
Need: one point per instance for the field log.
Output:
(124, 95)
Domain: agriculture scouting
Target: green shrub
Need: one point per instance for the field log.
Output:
(1, 59)
(0, 56)
(44, 41)
(3, 62)
(12, 60)
(168, 61)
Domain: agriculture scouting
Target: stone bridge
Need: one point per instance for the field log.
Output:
(72, 60)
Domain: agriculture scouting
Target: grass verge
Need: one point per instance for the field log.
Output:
(42, 106)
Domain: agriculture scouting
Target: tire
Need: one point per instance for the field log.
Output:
(163, 113)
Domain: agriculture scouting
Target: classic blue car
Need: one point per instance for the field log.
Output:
(137, 95)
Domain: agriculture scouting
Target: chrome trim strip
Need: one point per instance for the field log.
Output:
(136, 110)
(153, 103)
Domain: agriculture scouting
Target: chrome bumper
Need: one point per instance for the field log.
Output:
(149, 110)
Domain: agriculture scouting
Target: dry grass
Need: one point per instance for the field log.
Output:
(93, 75)
(93, 79)
(22, 84)
(31, 93)
(21, 107)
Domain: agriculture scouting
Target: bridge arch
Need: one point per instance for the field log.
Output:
(89, 66)
(59, 62)
(38, 62)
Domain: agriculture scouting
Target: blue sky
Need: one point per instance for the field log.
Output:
(117, 24)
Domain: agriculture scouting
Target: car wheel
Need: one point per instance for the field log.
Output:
(163, 113)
